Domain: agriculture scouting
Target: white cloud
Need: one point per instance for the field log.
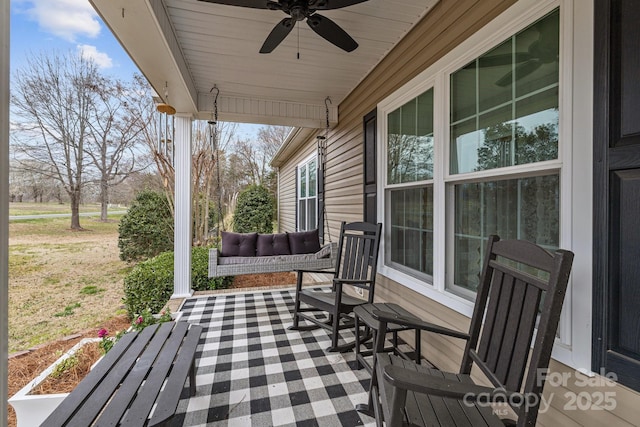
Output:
(101, 59)
(65, 18)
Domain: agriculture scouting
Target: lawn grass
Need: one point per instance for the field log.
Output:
(62, 281)
(53, 227)
(31, 208)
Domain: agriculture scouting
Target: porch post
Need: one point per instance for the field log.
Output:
(4, 205)
(182, 220)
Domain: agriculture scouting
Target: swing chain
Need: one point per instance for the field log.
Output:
(216, 156)
(322, 141)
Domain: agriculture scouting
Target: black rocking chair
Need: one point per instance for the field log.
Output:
(511, 304)
(355, 266)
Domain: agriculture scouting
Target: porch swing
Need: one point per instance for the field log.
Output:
(253, 253)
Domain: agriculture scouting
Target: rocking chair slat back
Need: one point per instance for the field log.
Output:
(520, 295)
(511, 301)
(357, 260)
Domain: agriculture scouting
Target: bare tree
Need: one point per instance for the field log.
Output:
(270, 138)
(207, 171)
(256, 155)
(116, 133)
(52, 96)
(206, 190)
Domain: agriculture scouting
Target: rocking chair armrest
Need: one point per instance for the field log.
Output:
(414, 323)
(421, 382)
(353, 282)
(327, 271)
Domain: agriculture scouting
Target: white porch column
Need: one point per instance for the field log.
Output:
(4, 205)
(182, 220)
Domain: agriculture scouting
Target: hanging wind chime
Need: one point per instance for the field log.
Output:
(215, 157)
(165, 128)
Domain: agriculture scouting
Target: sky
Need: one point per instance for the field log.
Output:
(72, 25)
(65, 25)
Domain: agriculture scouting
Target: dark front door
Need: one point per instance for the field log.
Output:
(616, 298)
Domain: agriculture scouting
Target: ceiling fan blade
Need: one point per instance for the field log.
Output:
(256, 4)
(332, 4)
(503, 59)
(505, 80)
(331, 32)
(279, 33)
(522, 70)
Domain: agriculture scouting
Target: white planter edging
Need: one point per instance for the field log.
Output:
(33, 409)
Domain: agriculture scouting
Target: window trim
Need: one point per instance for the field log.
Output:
(306, 162)
(575, 102)
(387, 187)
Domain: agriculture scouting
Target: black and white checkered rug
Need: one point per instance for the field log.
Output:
(253, 371)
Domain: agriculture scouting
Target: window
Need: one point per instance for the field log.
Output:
(307, 195)
(512, 155)
(409, 186)
(504, 113)
(518, 208)
(491, 165)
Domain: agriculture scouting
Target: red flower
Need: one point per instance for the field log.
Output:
(139, 320)
(103, 333)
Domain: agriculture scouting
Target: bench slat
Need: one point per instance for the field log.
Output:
(143, 368)
(148, 393)
(85, 387)
(121, 400)
(101, 394)
(170, 395)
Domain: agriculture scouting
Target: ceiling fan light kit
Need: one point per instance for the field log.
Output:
(300, 10)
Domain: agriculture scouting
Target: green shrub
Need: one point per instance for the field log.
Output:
(254, 211)
(146, 230)
(150, 284)
(200, 272)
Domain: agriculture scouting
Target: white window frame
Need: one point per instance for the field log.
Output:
(402, 186)
(574, 152)
(306, 163)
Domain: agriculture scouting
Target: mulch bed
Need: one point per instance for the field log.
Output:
(264, 279)
(25, 366)
(67, 380)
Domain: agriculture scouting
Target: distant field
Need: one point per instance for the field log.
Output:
(62, 281)
(31, 208)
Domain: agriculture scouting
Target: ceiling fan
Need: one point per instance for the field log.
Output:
(543, 50)
(299, 10)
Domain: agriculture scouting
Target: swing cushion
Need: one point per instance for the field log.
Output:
(304, 242)
(238, 244)
(272, 244)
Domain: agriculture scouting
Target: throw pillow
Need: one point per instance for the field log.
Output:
(304, 242)
(272, 244)
(238, 244)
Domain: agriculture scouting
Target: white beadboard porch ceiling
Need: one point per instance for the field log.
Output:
(192, 45)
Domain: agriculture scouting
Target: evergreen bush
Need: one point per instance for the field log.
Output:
(150, 284)
(146, 230)
(254, 211)
(200, 280)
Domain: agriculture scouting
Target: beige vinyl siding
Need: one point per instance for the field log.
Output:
(448, 24)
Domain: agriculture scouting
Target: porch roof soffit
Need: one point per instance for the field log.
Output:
(190, 46)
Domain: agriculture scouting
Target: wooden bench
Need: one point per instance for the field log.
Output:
(138, 383)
